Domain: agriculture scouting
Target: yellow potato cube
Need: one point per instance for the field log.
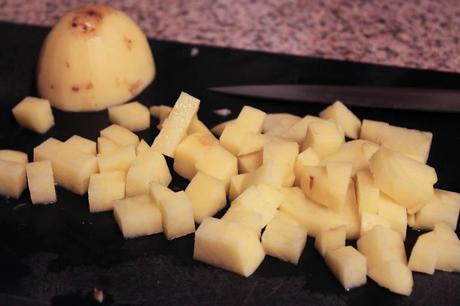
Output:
(395, 214)
(424, 254)
(444, 206)
(82, 144)
(284, 238)
(120, 135)
(407, 181)
(34, 114)
(369, 220)
(250, 218)
(40, 180)
(350, 214)
(177, 215)
(348, 265)
(393, 275)
(278, 123)
(356, 152)
(137, 216)
(197, 126)
(413, 143)
(148, 167)
(324, 137)
(338, 176)
(207, 195)
(339, 113)
(14, 156)
(119, 159)
(142, 147)
(105, 145)
(298, 131)
(269, 174)
(218, 163)
(159, 192)
(367, 193)
(250, 162)
(191, 149)
(236, 186)
(284, 154)
(229, 246)
(305, 158)
(72, 168)
(448, 246)
(104, 189)
(239, 140)
(330, 239)
(174, 128)
(251, 118)
(12, 179)
(134, 116)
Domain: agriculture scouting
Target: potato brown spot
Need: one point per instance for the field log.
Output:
(88, 18)
(134, 88)
(206, 140)
(75, 88)
(51, 86)
(312, 182)
(129, 43)
(89, 86)
(67, 64)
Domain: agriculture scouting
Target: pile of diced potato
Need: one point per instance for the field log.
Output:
(285, 177)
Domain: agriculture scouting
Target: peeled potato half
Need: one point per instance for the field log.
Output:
(94, 57)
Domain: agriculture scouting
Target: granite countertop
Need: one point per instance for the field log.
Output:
(411, 33)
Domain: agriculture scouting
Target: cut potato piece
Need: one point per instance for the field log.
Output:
(105, 145)
(367, 193)
(159, 192)
(218, 129)
(269, 173)
(277, 124)
(306, 158)
(236, 186)
(177, 215)
(12, 179)
(207, 195)
(104, 188)
(356, 152)
(72, 168)
(40, 180)
(142, 147)
(284, 238)
(339, 113)
(134, 116)
(148, 167)
(424, 254)
(330, 239)
(325, 137)
(229, 246)
(119, 159)
(298, 131)
(34, 114)
(393, 275)
(413, 143)
(250, 162)
(348, 265)
(239, 140)
(369, 220)
(395, 214)
(197, 126)
(175, 127)
(137, 216)
(251, 118)
(247, 217)
(120, 135)
(284, 154)
(407, 181)
(14, 156)
(444, 206)
(82, 144)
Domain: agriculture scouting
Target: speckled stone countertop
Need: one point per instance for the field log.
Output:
(411, 33)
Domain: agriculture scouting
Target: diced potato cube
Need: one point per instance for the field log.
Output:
(207, 195)
(298, 131)
(148, 167)
(238, 140)
(306, 158)
(276, 124)
(12, 179)
(197, 126)
(14, 156)
(82, 144)
(137, 216)
(251, 118)
(174, 128)
(271, 195)
(159, 192)
(448, 246)
(236, 186)
(356, 152)
(444, 206)
(330, 239)
(250, 162)
(284, 238)
(284, 154)
(104, 189)
(119, 159)
(134, 116)
(405, 180)
(368, 194)
(250, 218)
(395, 214)
(393, 275)
(269, 174)
(40, 180)
(350, 214)
(72, 168)
(368, 221)
(348, 265)
(324, 137)
(228, 246)
(339, 113)
(35, 114)
(177, 215)
(189, 151)
(105, 145)
(338, 176)
(120, 135)
(142, 147)
(424, 254)
(218, 163)
(413, 143)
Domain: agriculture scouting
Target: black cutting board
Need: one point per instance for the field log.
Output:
(57, 254)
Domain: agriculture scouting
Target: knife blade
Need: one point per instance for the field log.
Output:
(447, 100)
